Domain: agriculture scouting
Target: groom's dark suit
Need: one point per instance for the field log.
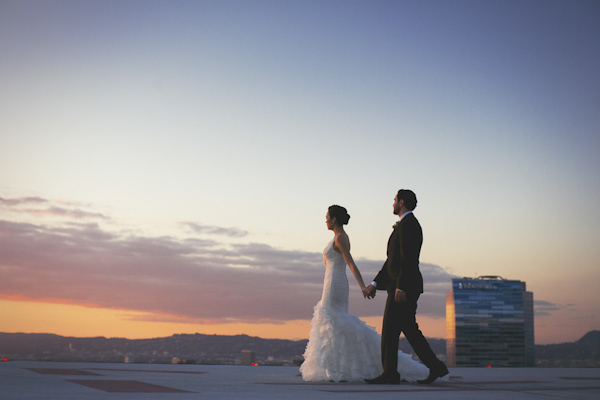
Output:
(401, 271)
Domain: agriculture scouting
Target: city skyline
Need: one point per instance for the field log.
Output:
(166, 167)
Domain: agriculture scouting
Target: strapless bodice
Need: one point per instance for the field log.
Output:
(335, 285)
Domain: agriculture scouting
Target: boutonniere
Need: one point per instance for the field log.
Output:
(396, 225)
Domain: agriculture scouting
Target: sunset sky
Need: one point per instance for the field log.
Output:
(166, 166)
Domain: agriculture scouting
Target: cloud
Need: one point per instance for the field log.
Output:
(215, 230)
(191, 278)
(47, 208)
(544, 308)
(63, 212)
(174, 279)
(22, 200)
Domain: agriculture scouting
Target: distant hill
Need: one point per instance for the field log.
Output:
(197, 348)
(583, 353)
(590, 339)
(218, 349)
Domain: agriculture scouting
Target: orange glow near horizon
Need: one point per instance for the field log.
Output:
(80, 321)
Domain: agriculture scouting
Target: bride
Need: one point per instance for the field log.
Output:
(341, 347)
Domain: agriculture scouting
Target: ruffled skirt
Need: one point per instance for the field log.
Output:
(342, 347)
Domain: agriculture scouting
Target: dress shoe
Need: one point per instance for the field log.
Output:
(434, 374)
(384, 380)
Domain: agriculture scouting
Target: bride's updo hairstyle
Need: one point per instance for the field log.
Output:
(339, 213)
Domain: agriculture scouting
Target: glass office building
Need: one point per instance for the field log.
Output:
(489, 322)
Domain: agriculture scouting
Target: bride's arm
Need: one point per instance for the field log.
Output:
(343, 243)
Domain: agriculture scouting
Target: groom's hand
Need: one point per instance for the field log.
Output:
(400, 296)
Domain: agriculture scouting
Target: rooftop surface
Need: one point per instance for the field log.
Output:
(82, 381)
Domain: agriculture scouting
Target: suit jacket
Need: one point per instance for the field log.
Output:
(401, 269)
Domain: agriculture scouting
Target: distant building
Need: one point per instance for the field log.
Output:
(248, 357)
(489, 322)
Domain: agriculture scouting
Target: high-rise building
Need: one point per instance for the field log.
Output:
(489, 322)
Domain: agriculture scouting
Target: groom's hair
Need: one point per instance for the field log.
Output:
(409, 197)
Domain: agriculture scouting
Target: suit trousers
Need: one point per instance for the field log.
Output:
(401, 318)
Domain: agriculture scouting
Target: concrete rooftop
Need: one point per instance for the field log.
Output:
(82, 381)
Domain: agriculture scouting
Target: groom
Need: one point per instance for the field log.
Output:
(401, 277)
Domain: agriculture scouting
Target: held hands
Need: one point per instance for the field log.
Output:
(369, 292)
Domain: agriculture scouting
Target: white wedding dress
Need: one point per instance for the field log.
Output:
(341, 347)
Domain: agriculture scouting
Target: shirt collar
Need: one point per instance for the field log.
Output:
(405, 214)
